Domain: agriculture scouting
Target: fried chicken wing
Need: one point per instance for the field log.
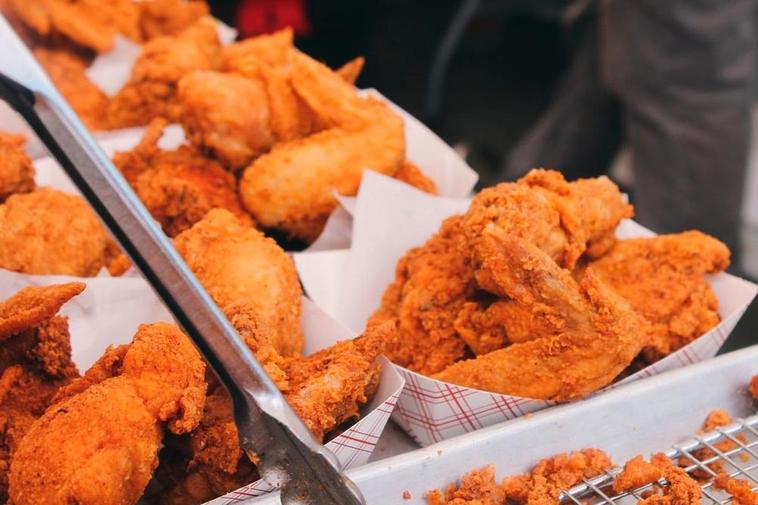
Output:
(252, 280)
(152, 87)
(35, 360)
(663, 278)
(432, 284)
(16, 169)
(351, 70)
(110, 432)
(178, 187)
(599, 333)
(50, 232)
(292, 187)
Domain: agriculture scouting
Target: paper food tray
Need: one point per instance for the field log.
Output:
(110, 309)
(390, 218)
(642, 418)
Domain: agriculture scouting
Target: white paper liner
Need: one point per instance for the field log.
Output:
(391, 218)
(109, 311)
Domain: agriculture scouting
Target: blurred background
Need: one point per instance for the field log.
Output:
(588, 87)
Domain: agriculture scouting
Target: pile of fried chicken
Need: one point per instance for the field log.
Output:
(150, 412)
(273, 135)
(659, 481)
(530, 294)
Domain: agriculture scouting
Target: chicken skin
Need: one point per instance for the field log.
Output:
(178, 187)
(663, 278)
(325, 389)
(152, 87)
(252, 280)
(292, 187)
(53, 233)
(16, 169)
(599, 333)
(108, 426)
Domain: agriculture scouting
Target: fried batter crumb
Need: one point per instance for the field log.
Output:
(740, 489)
(637, 473)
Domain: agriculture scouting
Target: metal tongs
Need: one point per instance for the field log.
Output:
(269, 429)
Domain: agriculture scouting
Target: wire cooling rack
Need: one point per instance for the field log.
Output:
(739, 461)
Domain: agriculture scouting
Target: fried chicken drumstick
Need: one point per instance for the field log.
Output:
(98, 443)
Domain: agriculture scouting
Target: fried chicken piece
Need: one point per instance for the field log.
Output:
(110, 432)
(326, 389)
(476, 488)
(432, 283)
(740, 489)
(16, 169)
(565, 220)
(599, 333)
(637, 473)
(169, 17)
(67, 71)
(663, 278)
(252, 280)
(50, 232)
(35, 360)
(91, 24)
(152, 87)
(681, 489)
(550, 476)
(227, 114)
(292, 187)
(178, 187)
(411, 174)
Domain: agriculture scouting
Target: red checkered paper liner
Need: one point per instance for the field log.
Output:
(430, 410)
(354, 445)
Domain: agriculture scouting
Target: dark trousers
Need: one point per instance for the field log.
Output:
(673, 80)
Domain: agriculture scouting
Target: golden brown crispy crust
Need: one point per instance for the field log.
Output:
(476, 488)
(111, 423)
(565, 220)
(291, 188)
(178, 187)
(51, 232)
(91, 24)
(152, 87)
(227, 115)
(663, 278)
(252, 280)
(33, 305)
(598, 332)
(637, 473)
(16, 169)
(431, 285)
(411, 174)
(740, 489)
